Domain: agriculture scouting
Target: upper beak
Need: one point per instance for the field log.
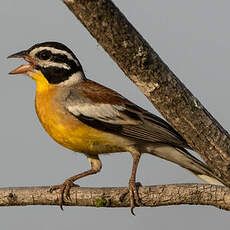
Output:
(23, 69)
(20, 54)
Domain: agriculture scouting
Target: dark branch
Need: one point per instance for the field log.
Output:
(145, 68)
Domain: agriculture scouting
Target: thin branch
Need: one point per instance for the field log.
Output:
(145, 68)
(151, 196)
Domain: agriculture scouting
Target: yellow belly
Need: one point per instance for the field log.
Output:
(68, 131)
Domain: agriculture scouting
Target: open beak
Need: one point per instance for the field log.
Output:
(23, 69)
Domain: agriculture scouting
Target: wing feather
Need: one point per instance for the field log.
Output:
(119, 116)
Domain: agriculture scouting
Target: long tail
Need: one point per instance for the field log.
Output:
(183, 158)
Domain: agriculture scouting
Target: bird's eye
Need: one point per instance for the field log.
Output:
(44, 55)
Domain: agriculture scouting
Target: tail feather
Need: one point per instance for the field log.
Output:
(208, 179)
(183, 158)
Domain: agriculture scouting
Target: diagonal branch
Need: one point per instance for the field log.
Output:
(145, 68)
(151, 196)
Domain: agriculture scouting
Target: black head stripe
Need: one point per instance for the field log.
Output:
(44, 54)
(56, 75)
(62, 58)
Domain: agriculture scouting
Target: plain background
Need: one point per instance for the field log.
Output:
(192, 37)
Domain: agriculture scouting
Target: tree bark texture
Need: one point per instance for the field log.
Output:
(151, 196)
(145, 68)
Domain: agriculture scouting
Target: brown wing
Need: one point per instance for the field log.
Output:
(105, 109)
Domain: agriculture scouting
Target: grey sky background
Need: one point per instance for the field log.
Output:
(192, 37)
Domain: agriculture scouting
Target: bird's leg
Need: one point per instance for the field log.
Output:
(95, 164)
(133, 193)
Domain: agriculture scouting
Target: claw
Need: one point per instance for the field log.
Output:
(64, 191)
(132, 202)
(61, 206)
(133, 196)
(132, 212)
(67, 191)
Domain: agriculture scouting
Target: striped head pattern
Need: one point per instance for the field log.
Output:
(55, 60)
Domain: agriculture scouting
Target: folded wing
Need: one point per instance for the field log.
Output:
(109, 111)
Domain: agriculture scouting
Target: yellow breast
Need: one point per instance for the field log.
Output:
(66, 129)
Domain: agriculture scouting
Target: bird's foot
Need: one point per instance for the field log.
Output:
(133, 195)
(64, 191)
(134, 198)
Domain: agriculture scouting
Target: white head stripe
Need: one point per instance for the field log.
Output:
(54, 51)
(54, 64)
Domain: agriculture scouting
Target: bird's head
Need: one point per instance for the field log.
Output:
(50, 61)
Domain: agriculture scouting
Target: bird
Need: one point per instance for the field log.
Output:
(89, 118)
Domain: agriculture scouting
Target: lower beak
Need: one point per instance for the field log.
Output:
(23, 69)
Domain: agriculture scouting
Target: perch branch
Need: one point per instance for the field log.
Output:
(151, 196)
